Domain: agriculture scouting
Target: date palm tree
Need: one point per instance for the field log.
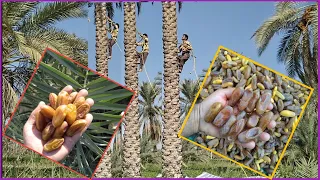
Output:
(171, 150)
(131, 142)
(104, 170)
(298, 49)
(150, 110)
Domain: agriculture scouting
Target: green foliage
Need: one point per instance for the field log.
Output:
(217, 167)
(116, 160)
(307, 130)
(302, 153)
(306, 168)
(189, 89)
(28, 28)
(54, 73)
(149, 153)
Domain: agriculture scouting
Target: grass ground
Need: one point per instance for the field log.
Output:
(19, 162)
(194, 169)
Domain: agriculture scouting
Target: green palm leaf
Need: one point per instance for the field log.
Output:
(107, 117)
(100, 82)
(121, 93)
(91, 145)
(68, 64)
(100, 90)
(108, 106)
(59, 75)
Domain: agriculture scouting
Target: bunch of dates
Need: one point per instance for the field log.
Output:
(64, 116)
(246, 115)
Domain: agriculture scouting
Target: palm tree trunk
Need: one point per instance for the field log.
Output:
(104, 169)
(101, 38)
(171, 152)
(131, 143)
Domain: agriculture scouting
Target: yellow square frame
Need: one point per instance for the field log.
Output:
(223, 156)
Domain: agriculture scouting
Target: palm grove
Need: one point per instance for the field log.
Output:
(26, 34)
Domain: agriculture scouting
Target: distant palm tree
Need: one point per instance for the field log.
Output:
(171, 151)
(28, 28)
(298, 49)
(189, 89)
(150, 112)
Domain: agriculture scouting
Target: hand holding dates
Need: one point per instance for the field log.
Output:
(46, 129)
(213, 114)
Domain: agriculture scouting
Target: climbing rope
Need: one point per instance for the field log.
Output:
(119, 47)
(194, 64)
(145, 70)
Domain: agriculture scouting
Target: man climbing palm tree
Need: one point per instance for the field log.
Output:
(185, 48)
(114, 30)
(145, 50)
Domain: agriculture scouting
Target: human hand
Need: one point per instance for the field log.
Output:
(33, 138)
(222, 96)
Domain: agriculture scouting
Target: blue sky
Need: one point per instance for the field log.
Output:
(208, 24)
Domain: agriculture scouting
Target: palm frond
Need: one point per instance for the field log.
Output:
(110, 10)
(289, 52)
(273, 25)
(306, 168)
(139, 6)
(283, 6)
(314, 25)
(50, 13)
(119, 5)
(179, 6)
(14, 12)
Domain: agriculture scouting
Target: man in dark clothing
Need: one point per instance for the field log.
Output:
(114, 35)
(144, 43)
(185, 49)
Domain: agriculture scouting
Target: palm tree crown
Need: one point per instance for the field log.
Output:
(298, 49)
